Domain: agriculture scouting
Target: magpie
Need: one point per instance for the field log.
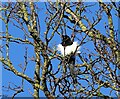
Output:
(69, 49)
(67, 46)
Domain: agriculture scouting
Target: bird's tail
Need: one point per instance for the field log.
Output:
(72, 69)
(73, 73)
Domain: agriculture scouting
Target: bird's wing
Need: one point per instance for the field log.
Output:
(75, 47)
(61, 49)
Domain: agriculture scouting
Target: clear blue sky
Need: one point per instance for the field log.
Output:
(17, 52)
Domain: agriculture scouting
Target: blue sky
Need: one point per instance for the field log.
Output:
(17, 52)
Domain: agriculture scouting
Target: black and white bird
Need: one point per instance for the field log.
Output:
(67, 46)
(71, 49)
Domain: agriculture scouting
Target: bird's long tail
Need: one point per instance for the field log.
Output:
(73, 73)
(73, 70)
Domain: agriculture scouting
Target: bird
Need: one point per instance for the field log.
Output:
(67, 46)
(71, 49)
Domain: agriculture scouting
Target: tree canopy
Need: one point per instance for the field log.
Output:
(31, 32)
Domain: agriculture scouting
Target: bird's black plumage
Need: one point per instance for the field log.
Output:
(66, 41)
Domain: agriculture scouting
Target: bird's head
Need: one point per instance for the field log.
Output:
(66, 41)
